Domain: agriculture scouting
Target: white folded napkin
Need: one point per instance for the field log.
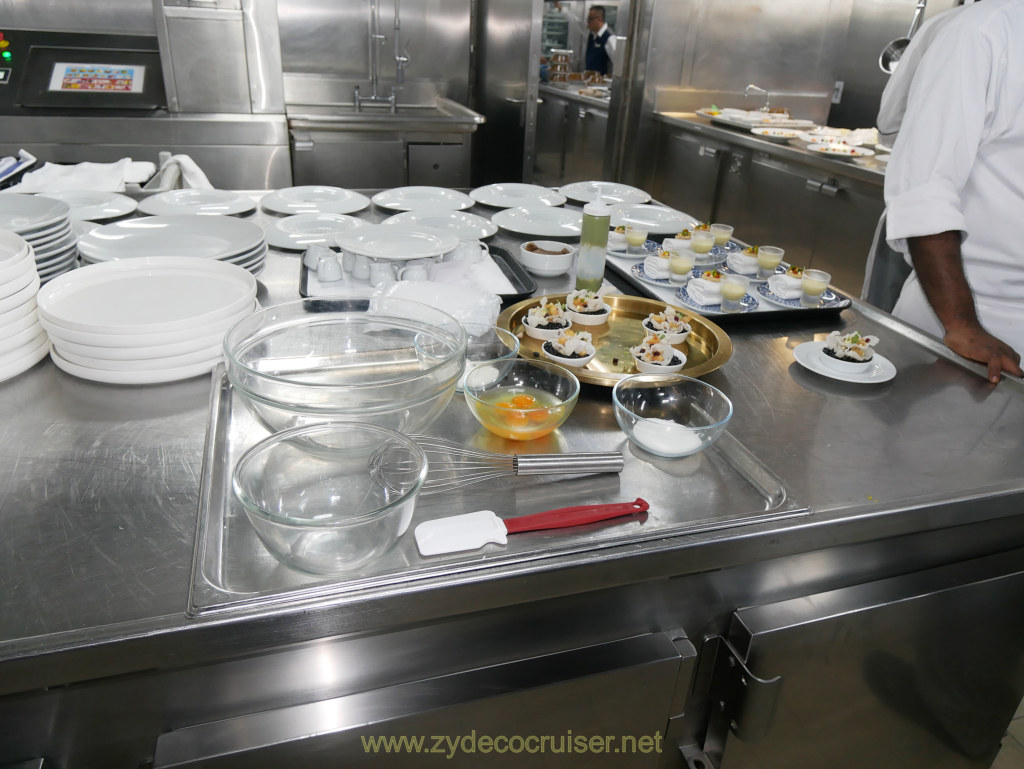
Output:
(672, 244)
(785, 286)
(489, 277)
(656, 267)
(742, 263)
(616, 241)
(179, 171)
(704, 291)
(467, 304)
(98, 177)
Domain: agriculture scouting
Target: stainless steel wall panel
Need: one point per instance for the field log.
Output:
(128, 17)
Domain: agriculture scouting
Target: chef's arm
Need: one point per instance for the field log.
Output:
(939, 268)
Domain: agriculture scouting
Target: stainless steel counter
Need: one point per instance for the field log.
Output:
(101, 493)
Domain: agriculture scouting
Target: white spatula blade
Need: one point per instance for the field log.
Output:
(460, 532)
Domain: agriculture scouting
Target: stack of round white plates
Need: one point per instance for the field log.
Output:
(146, 320)
(46, 224)
(221, 238)
(208, 202)
(23, 341)
(97, 206)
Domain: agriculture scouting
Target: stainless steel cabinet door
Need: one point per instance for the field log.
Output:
(687, 174)
(585, 144)
(549, 158)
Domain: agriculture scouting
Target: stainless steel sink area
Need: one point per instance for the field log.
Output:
(443, 115)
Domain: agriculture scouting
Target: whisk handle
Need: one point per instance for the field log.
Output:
(564, 517)
(580, 462)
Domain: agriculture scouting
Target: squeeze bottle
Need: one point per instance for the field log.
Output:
(593, 244)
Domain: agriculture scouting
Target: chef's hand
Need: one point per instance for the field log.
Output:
(974, 343)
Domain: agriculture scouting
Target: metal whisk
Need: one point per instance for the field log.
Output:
(451, 465)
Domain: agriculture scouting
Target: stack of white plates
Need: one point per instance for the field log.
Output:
(221, 238)
(23, 341)
(146, 320)
(46, 224)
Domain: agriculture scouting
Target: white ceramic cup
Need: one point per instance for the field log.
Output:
(328, 269)
(381, 273)
(413, 272)
(467, 251)
(360, 267)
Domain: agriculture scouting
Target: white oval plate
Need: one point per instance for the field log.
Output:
(204, 202)
(658, 219)
(207, 237)
(516, 194)
(22, 213)
(463, 225)
(146, 295)
(419, 198)
(19, 365)
(314, 199)
(544, 222)
(95, 206)
(300, 231)
(809, 355)
(379, 242)
(611, 192)
(133, 377)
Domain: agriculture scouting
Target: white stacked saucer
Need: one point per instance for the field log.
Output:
(46, 224)
(146, 320)
(23, 340)
(219, 238)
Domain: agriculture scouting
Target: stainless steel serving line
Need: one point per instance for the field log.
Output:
(854, 552)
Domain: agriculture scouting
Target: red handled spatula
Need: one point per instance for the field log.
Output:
(474, 530)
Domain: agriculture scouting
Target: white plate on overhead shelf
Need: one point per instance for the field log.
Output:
(204, 202)
(314, 199)
(95, 206)
(462, 224)
(542, 222)
(205, 237)
(420, 198)
(380, 242)
(611, 192)
(300, 231)
(658, 219)
(516, 195)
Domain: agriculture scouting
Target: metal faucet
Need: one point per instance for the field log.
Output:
(759, 89)
(376, 41)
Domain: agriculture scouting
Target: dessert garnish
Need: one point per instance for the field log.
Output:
(795, 272)
(586, 302)
(713, 275)
(853, 347)
(668, 321)
(571, 344)
(654, 349)
(547, 315)
(750, 250)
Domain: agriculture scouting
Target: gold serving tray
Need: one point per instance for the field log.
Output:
(707, 348)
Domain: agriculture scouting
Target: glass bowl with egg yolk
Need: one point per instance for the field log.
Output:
(521, 399)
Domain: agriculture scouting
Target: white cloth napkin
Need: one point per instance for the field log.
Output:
(785, 286)
(465, 303)
(742, 263)
(616, 241)
(704, 291)
(656, 267)
(99, 177)
(179, 171)
(673, 244)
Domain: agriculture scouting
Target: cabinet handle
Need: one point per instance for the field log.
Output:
(829, 189)
(707, 152)
(582, 113)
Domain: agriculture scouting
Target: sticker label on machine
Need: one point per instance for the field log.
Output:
(97, 78)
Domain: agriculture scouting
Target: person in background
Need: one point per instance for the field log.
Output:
(954, 187)
(601, 50)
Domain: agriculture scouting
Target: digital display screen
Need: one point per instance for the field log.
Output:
(97, 78)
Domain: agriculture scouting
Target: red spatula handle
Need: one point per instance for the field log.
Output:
(564, 517)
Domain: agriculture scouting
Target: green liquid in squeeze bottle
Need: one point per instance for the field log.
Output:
(593, 244)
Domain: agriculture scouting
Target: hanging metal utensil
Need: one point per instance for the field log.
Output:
(890, 56)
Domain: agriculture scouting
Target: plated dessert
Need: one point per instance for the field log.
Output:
(586, 308)
(669, 322)
(571, 348)
(849, 352)
(654, 355)
(546, 320)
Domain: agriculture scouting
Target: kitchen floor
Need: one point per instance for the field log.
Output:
(1011, 756)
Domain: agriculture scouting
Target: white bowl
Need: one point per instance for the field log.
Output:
(656, 368)
(670, 338)
(583, 319)
(845, 366)
(545, 333)
(546, 265)
(573, 362)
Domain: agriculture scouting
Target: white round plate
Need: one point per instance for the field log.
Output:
(22, 364)
(658, 219)
(299, 231)
(844, 151)
(639, 272)
(41, 238)
(19, 298)
(139, 364)
(207, 237)
(95, 206)
(13, 248)
(146, 295)
(144, 340)
(14, 270)
(133, 377)
(16, 315)
(32, 342)
(22, 213)
(420, 198)
(747, 304)
(54, 250)
(314, 199)
(21, 340)
(651, 248)
(809, 356)
(141, 352)
(12, 287)
(611, 192)
(379, 242)
(515, 195)
(781, 135)
(544, 222)
(463, 225)
(205, 202)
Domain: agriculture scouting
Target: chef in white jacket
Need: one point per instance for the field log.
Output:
(954, 187)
